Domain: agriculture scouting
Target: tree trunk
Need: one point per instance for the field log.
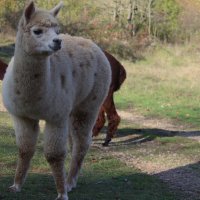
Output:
(149, 17)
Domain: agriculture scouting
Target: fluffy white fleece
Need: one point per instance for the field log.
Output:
(65, 87)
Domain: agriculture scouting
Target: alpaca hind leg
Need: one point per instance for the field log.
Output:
(99, 122)
(26, 132)
(55, 153)
(81, 138)
(113, 121)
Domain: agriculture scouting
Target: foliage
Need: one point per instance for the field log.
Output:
(10, 12)
(165, 19)
(95, 21)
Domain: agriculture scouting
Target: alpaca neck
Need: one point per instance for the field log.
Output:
(30, 72)
(28, 64)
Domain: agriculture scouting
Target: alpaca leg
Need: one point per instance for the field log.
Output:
(55, 153)
(26, 132)
(113, 121)
(99, 122)
(81, 138)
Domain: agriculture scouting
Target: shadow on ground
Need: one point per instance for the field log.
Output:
(113, 187)
(131, 136)
(185, 179)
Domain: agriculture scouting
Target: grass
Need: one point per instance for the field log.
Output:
(103, 177)
(165, 84)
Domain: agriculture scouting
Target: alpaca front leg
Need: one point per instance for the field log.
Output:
(26, 132)
(81, 138)
(79, 151)
(55, 153)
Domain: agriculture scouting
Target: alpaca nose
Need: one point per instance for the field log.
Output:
(57, 41)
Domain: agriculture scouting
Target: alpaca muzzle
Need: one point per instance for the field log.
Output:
(56, 44)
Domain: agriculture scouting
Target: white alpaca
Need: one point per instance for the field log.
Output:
(60, 79)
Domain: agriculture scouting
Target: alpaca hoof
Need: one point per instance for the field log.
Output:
(14, 189)
(71, 185)
(106, 143)
(62, 197)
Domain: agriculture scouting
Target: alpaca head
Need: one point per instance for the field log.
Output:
(39, 30)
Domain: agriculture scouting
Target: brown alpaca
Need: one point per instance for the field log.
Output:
(3, 67)
(108, 107)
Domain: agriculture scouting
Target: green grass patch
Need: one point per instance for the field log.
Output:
(165, 84)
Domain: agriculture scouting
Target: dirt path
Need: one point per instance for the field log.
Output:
(162, 124)
(182, 179)
(179, 175)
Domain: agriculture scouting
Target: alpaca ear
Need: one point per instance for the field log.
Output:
(29, 11)
(56, 10)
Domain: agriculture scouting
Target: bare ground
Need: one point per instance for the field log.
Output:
(178, 172)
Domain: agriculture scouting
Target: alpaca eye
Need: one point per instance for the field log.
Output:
(38, 31)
